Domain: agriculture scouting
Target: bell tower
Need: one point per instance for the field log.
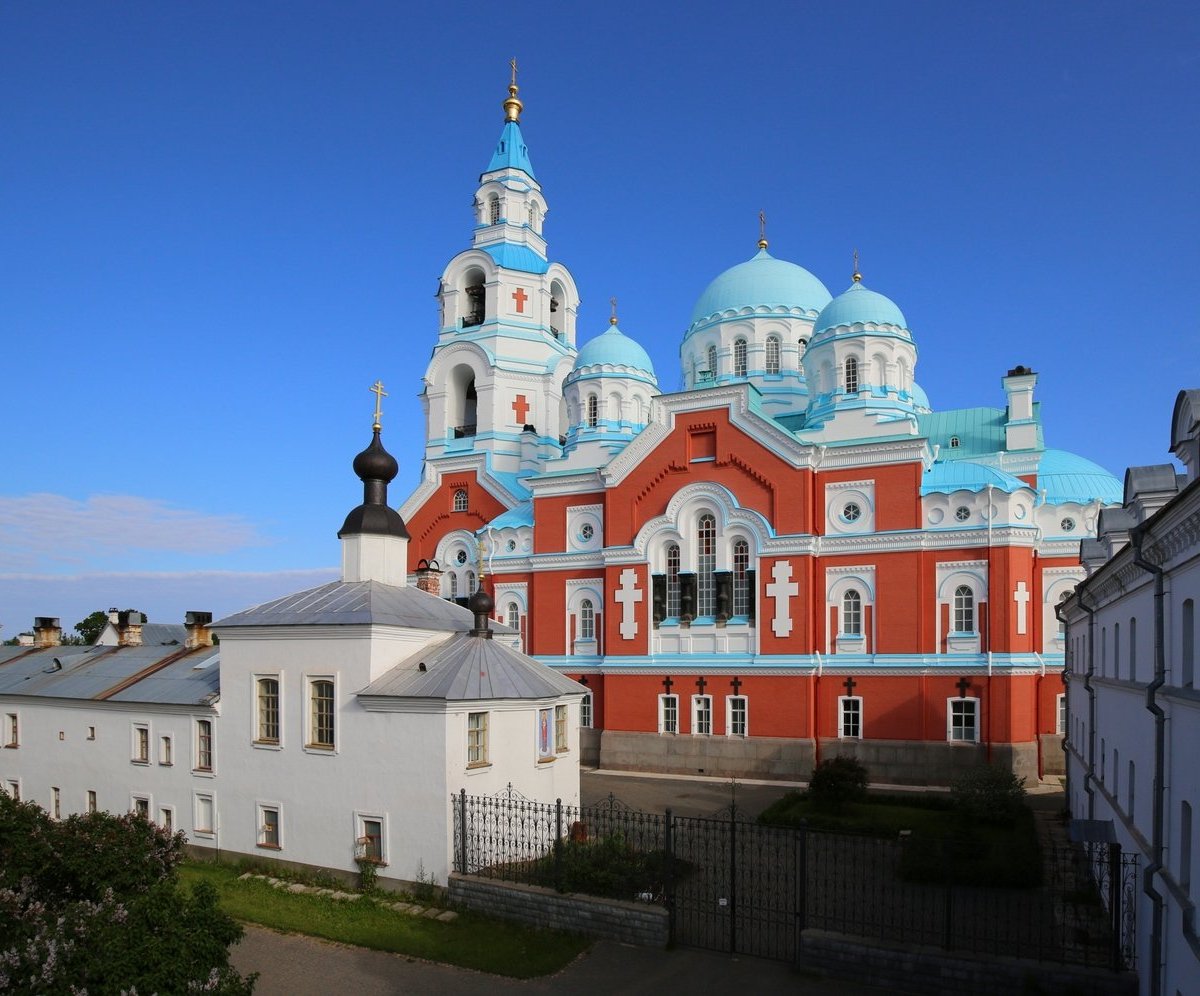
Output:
(507, 312)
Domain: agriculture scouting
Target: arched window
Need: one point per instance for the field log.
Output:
(964, 609)
(587, 620)
(460, 500)
(772, 354)
(513, 616)
(593, 411)
(470, 582)
(852, 613)
(533, 217)
(739, 357)
(741, 578)
(803, 346)
(706, 563)
(954, 442)
(453, 583)
(673, 581)
(493, 210)
(712, 362)
(852, 376)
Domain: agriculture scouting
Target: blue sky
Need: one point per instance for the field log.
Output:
(220, 222)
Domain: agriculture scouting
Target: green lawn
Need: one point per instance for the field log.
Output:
(471, 941)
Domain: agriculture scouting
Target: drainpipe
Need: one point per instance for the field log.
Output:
(1037, 710)
(1137, 536)
(1089, 778)
(816, 712)
(990, 630)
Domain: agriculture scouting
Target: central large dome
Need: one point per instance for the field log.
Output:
(761, 282)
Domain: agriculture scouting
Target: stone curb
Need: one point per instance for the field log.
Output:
(412, 909)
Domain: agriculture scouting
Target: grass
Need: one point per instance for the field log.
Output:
(472, 941)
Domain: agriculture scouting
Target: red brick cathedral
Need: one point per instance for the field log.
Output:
(796, 556)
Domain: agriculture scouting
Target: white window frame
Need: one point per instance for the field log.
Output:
(56, 802)
(143, 799)
(361, 819)
(1060, 713)
(460, 501)
(562, 731)
(12, 730)
(198, 800)
(852, 613)
(731, 720)
(256, 713)
(13, 787)
(139, 743)
(310, 718)
(586, 716)
(91, 801)
(702, 715)
(772, 364)
(166, 749)
(956, 611)
(741, 357)
(668, 713)
(587, 619)
(211, 767)
(261, 809)
(846, 705)
(476, 740)
(166, 818)
(950, 703)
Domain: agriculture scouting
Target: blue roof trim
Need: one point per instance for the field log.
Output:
(963, 475)
(514, 257)
(511, 151)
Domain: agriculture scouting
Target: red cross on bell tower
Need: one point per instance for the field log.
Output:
(520, 408)
(520, 297)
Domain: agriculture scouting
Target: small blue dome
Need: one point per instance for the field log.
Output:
(763, 281)
(920, 398)
(614, 348)
(963, 475)
(858, 305)
(1067, 477)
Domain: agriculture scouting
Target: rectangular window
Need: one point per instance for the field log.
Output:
(668, 714)
(91, 800)
(166, 819)
(477, 739)
(850, 717)
(320, 693)
(204, 745)
(702, 714)
(585, 711)
(204, 814)
(166, 751)
(91, 733)
(267, 728)
(141, 806)
(268, 827)
(55, 803)
(12, 730)
(962, 720)
(368, 846)
(560, 728)
(141, 744)
(14, 789)
(736, 709)
(1061, 726)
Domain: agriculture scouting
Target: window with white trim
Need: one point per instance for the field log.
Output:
(91, 800)
(141, 743)
(141, 806)
(587, 620)
(166, 750)
(204, 745)
(772, 354)
(668, 714)
(585, 711)
(706, 563)
(702, 715)
(852, 614)
(493, 210)
(266, 729)
(964, 609)
(166, 818)
(12, 730)
(673, 581)
(460, 500)
(851, 375)
(268, 826)
(560, 729)
(850, 717)
(741, 577)
(593, 411)
(962, 720)
(55, 803)
(739, 357)
(712, 361)
(369, 842)
(736, 715)
(513, 616)
(477, 739)
(321, 711)
(1061, 712)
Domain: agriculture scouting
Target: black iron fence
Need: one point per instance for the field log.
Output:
(731, 884)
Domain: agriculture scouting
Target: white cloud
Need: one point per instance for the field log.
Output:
(40, 531)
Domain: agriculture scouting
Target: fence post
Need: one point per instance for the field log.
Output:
(669, 877)
(801, 886)
(462, 831)
(948, 858)
(733, 879)
(1114, 901)
(558, 845)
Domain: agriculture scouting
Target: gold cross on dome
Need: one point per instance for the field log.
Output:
(377, 390)
(856, 276)
(762, 230)
(513, 64)
(612, 319)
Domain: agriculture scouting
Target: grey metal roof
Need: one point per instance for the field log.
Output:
(1157, 478)
(352, 603)
(1115, 520)
(466, 667)
(192, 679)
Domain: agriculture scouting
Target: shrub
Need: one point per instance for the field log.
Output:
(838, 781)
(989, 795)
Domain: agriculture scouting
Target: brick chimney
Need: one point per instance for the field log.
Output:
(46, 632)
(198, 632)
(129, 628)
(429, 577)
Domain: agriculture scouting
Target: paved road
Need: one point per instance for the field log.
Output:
(292, 965)
(687, 795)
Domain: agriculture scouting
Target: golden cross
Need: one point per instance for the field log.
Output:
(513, 63)
(613, 318)
(377, 390)
(482, 564)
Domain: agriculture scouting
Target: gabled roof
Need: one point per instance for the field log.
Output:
(356, 603)
(469, 668)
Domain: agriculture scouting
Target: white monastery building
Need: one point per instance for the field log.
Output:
(795, 556)
(1134, 708)
(327, 727)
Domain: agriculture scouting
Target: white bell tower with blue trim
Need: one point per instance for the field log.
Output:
(507, 329)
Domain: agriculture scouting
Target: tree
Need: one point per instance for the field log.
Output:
(92, 903)
(91, 627)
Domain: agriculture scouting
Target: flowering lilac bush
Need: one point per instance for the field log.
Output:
(90, 904)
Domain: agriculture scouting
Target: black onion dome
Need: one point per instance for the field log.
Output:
(481, 604)
(375, 463)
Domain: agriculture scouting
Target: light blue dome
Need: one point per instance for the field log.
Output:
(858, 305)
(763, 281)
(1067, 477)
(963, 475)
(614, 348)
(920, 398)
